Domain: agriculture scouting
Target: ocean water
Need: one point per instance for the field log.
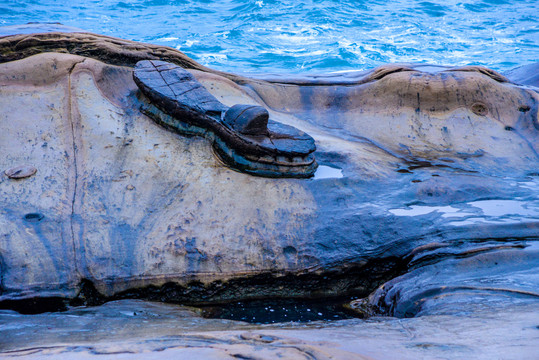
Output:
(291, 36)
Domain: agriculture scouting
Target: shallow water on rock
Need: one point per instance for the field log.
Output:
(147, 330)
(320, 36)
(327, 172)
(272, 311)
(477, 212)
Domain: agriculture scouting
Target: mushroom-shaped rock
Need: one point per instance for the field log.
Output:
(247, 119)
(240, 134)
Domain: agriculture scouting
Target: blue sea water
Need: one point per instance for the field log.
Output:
(292, 36)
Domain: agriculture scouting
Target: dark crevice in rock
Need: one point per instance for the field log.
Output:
(35, 305)
(33, 217)
(354, 280)
(329, 288)
(88, 295)
(74, 160)
(243, 357)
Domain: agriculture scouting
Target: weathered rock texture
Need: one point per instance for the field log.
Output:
(241, 134)
(128, 205)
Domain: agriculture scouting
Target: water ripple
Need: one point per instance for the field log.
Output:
(316, 36)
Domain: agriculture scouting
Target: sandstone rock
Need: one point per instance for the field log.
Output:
(420, 149)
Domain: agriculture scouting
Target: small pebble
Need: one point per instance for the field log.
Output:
(20, 172)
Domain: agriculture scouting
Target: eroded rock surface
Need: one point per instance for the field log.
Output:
(136, 210)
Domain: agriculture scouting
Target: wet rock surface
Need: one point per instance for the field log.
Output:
(460, 281)
(136, 329)
(432, 201)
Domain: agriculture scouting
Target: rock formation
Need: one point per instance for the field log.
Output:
(429, 164)
(241, 134)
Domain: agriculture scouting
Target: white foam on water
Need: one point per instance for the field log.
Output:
(186, 43)
(170, 38)
(297, 39)
(295, 52)
(207, 58)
